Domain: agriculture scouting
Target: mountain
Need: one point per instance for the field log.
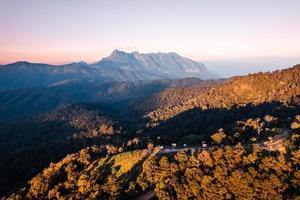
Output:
(35, 75)
(154, 65)
(119, 66)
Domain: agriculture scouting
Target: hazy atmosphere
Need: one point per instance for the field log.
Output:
(224, 32)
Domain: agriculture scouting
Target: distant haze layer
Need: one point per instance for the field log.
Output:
(243, 66)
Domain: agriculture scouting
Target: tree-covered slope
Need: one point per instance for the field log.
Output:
(281, 85)
(233, 171)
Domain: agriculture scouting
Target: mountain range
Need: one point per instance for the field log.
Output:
(119, 66)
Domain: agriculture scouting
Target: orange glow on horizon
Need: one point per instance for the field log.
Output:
(51, 58)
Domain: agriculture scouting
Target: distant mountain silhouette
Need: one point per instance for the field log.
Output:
(119, 66)
(154, 65)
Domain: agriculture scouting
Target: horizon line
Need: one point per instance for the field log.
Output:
(91, 61)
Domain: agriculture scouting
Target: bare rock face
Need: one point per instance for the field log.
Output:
(167, 65)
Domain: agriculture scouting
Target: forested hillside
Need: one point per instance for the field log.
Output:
(172, 96)
(26, 131)
(235, 171)
(281, 85)
(23, 102)
(221, 139)
(29, 145)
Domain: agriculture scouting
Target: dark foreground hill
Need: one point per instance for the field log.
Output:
(29, 145)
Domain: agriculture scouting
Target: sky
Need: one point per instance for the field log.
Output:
(211, 31)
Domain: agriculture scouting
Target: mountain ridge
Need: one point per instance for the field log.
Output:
(148, 60)
(282, 85)
(119, 66)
